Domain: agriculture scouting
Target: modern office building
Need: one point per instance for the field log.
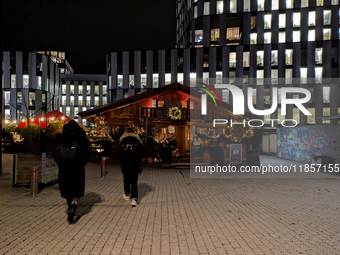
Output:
(80, 92)
(31, 85)
(58, 57)
(250, 43)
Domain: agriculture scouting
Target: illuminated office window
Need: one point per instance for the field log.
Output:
(259, 58)
(275, 5)
(311, 35)
(120, 81)
(311, 19)
(131, 81)
(326, 17)
(296, 19)
(180, 77)
(13, 81)
(104, 100)
(143, 80)
(289, 4)
(68, 111)
(218, 77)
(63, 89)
(25, 80)
(232, 59)
(80, 100)
(289, 76)
(63, 100)
(304, 3)
(259, 77)
(246, 57)
(267, 21)
(88, 90)
(296, 36)
(318, 74)
(274, 75)
(326, 33)
(225, 96)
(233, 6)
(96, 100)
(232, 76)
(88, 100)
(253, 21)
(71, 100)
(319, 2)
(267, 37)
(246, 6)
(303, 74)
(195, 12)
(155, 80)
(76, 110)
(260, 5)
(206, 77)
(233, 33)
(31, 98)
(39, 82)
(7, 97)
(219, 7)
(167, 78)
(282, 37)
(199, 37)
(80, 89)
(335, 2)
(274, 58)
(253, 38)
(289, 57)
(206, 10)
(326, 94)
(72, 89)
(104, 90)
(282, 20)
(215, 34)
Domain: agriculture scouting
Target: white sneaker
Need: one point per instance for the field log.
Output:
(126, 197)
(133, 203)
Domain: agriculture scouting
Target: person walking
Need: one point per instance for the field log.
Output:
(71, 154)
(130, 153)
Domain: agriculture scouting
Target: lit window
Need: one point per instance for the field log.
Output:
(274, 58)
(253, 38)
(304, 3)
(267, 21)
(88, 89)
(63, 89)
(215, 34)
(104, 90)
(318, 74)
(206, 77)
(311, 35)
(259, 77)
(218, 77)
(206, 8)
(143, 80)
(327, 17)
(233, 6)
(318, 56)
(233, 33)
(219, 7)
(131, 81)
(31, 97)
(25, 80)
(88, 101)
(71, 100)
(68, 111)
(289, 4)
(195, 12)
(327, 34)
(120, 81)
(76, 110)
(282, 37)
(232, 76)
(296, 36)
(39, 82)
(289, 57)
(155, 80)
(72, 89)
(246, 57)
(296, 19)
(225, 96)
(104, 100)
(289, 76)
(260, 5)
(275, 4)
(96, 100)
(246, 6)
(80, 89)
(7, 97)
(167, 78)
(13, 82)
(84, 122)
(80, 100)
(63, 100)
(326, 94)
(267, 37)
(232, 59)
(253, 22)
(180, 77)
(311, 19)
(19, 97)
(274, 74)
(199, 37)
(303, 74)
(319, 2)
(335, 2)
(282, 20)
(259, 58)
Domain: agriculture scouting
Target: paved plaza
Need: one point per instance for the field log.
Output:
(176, 215)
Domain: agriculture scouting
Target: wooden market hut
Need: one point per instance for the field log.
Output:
(151, 110)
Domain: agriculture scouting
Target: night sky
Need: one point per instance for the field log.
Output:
(88, 29)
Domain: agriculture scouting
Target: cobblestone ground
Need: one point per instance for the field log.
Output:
(175, 215)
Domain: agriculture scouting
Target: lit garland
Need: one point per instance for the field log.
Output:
(175, 113)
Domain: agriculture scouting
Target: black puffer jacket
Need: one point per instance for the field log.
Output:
(72, 175)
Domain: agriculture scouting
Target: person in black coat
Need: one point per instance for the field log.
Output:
(72, 173)
(130, 153)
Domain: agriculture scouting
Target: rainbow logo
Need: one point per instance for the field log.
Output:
(209, 93)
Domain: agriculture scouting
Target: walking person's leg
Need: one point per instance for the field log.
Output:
(134, 189)
(126, 180)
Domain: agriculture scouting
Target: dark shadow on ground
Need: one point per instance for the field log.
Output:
(144, 189)
(86, 203)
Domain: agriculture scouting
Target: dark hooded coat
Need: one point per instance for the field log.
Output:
(72, 175)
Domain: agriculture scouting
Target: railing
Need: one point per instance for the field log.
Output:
(163, 113)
